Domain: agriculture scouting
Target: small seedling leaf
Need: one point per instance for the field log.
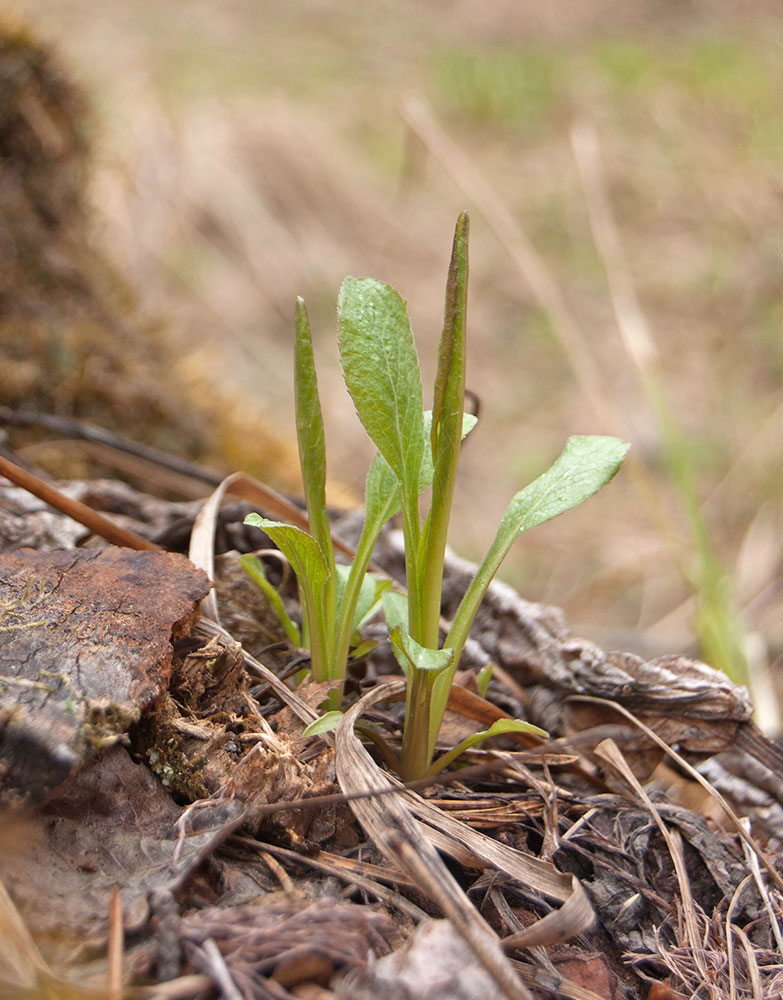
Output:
(483, 677)
(412, 656)
(312, 572)
(499, 728)
(325, 724)
(370, 593)
(254, 568)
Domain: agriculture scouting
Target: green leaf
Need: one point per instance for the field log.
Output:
(325, 724)
(446, 432)
(395, 610)
(498, 728)
(583, 467)
(423, 668)
(312, 572)
(413, 657)
(381, 370)
(362, 647)
(382, 490)
(310, 434)
(369, 597)
(448, 396)
(483, 677)
(254, 568)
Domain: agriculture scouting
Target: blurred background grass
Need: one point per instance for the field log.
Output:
(249, 152)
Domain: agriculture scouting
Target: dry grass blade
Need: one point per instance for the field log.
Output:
(350, 872)
(754, 974)
(21, 963)
(182, 988)
(80, 512)
(388, 822)
(202, 538)
(713, 792)
(219, 971)
(114, 450)
(474, 849)
(753, 864)
(609, 751)
(565, 987)
(116, 944)
(729, 938)
(635, 333)
(153, 475)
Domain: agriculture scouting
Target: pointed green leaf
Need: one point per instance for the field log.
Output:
(382, 490)
(362, 647)
(496, 729)
(310, 433)
(299, 548)
(254, 568)
(312, 572)
(583, 467)
(502, 726)
(369, 598)
(381, 370)
(446, 433)
(325, 724)
(448, 397)
(483, 677)
(413, 656)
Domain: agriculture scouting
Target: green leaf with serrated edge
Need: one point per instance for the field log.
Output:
(254, 568)
(307, 561)
(310, 434)
(496, 729)
(446, 432)
(381, 370)
(584, 466)
(325, 724)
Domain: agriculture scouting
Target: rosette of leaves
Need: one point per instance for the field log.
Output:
(417, 449)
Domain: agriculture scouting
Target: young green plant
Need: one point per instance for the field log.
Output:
(416, 450)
